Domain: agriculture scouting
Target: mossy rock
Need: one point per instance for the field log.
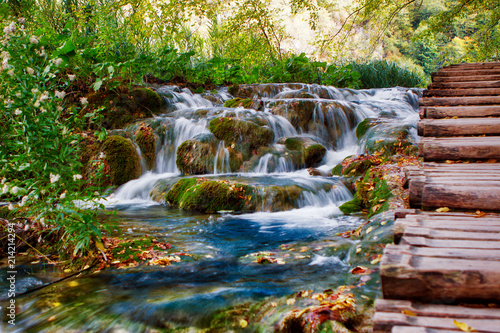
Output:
(238, 102)
(281, 198)
(240, 131)
(161, 188)
(123, 106)
(337, 170)
(209, 196)
(121, 159)
(147, 141)
(293, 144)
(195, 157)
(236, 160)
(313, 155)
(365, 125)
(352, 206)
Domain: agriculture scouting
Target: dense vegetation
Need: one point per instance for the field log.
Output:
(56, 53)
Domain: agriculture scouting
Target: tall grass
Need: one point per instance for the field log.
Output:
(386, 74)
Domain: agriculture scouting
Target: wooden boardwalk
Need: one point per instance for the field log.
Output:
(442, 275)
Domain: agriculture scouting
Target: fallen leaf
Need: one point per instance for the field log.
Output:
(51, 318)
(73, 284)
(243, 323)
(369, 230)
(443, 210)
(409, 313)
(290, 301)
(463, 326)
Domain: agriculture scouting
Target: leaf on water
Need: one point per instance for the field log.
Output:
(443, 210)
(409, 313)
(73, 284)
(463, 326)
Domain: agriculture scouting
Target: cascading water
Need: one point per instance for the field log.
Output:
(295, 210)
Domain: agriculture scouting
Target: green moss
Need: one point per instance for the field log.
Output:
(208, 196)
(337, 170)
(293, 144)
(233, 90)
(195, 157)
(235, 160)
(122, 160)
(147, 142)
(281, 198)
(238, 102)
(352, 206)
(313, 155)
(240, 131)
(147, 99)
(364, 126)
(174, 195)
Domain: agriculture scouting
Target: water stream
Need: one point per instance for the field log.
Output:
(220, 271)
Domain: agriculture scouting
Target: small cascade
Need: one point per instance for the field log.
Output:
(221, 162)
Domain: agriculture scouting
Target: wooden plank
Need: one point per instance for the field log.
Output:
(464, 85)
(466, 78)
(458, 127)
(462, 111)
(419, 329)
(466, 72)
(470, 219)
(432, 214)
(452, 253)
(464, 166)
(384, 321)
(406, 276)
(463, 197)
(461, 92)
(451, 234)
(455, 101)
(449, 243)
(436, 310)
(465, 226)
(435, 149)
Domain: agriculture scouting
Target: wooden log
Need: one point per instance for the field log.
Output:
(462, 111)
(416, 188)
(449, 243)
(455, 101)
(435, 149)
(422, 278)
(466, 78)
(461, 92)
(435, 310)
(458, 127)
(462, 197)
(457, 215)
(464, 85)
(466, 72)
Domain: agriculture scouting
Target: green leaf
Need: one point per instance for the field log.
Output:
(97, 84)
(67, 47)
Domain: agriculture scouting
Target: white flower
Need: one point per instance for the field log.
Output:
(77, 176)
(23, 201)
(102, 155)
(21, 20)
(60, 94)
(71, 77)
(11, 72)
(30, 70)
(15, 190)
(18, 94)
(63, 196)
(58, 61)
(3, 180)
(42, 110)
(65, 130)
(10, 28)
(18, 112)
(5, 189)
(96, 193)
(84, 100)
(35, 91)
(54, 178)
(11, 207)
(59, 108)
(44, 96)
(37, 104)
(44, 191)
(33, 40)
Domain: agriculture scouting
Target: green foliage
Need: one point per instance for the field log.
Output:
(385, 74)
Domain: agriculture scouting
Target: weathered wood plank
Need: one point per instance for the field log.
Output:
(450, 243)
(451, 234)
(406, 276)
(466, 78)
(384, 321)
(464, 197)
(461, 92)
(464, 85)
(401, 225)
(453, 253)
(458, 127)
(433, 166)
(435, 149)
(466, 72)
(436, 310)
(419, 329)
(470, 219)
(461, 111)
(455, 101)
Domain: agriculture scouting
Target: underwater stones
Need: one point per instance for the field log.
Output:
(147, 141)
(209, 196)
(240, 131)
(123, 106)
(121, 160)
(195, 157)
